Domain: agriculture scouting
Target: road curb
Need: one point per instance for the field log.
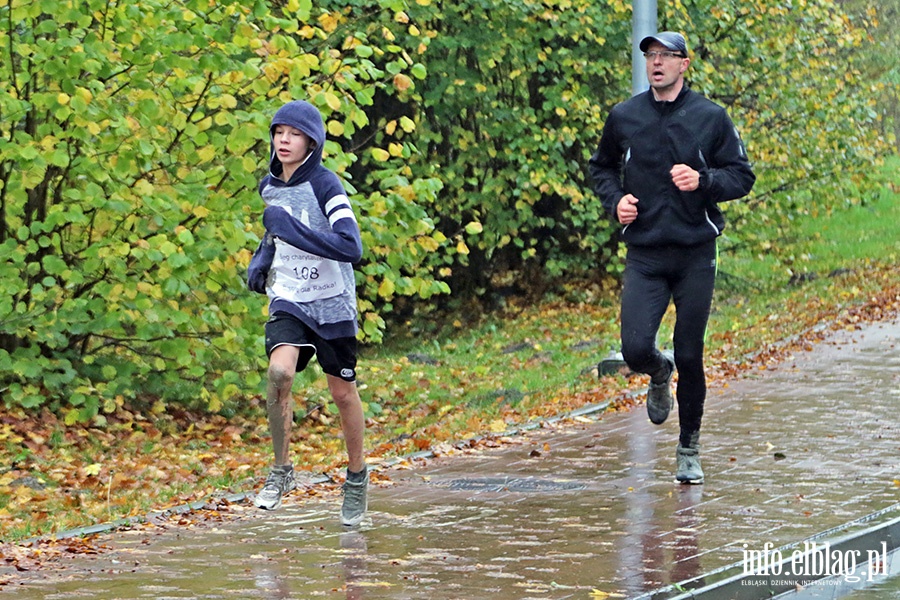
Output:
(731, 581)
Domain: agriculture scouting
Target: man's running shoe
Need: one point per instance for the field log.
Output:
(659, 397)
(688, 469)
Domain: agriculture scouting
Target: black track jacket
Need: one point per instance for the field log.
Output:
(643, 139)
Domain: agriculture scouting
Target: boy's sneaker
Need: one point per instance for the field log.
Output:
(355, 502)
(688, 469)
(659, 397)
(279, 482)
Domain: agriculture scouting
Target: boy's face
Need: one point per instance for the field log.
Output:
(291, 146)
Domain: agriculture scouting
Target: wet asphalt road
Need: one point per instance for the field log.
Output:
(558, 512)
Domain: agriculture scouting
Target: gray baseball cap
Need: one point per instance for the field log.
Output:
(670, 39)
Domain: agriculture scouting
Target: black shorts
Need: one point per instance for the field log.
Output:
(337, 357)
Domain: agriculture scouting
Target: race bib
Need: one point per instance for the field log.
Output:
(303, 277)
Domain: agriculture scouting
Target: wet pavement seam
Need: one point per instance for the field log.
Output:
(630, 530)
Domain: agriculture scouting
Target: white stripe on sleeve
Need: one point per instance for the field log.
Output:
(341, 213)
(339, 200)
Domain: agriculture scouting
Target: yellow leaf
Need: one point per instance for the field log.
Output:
(395, 149)
(93, 469)
(62, 98)
(386, 289)
(391, 127)
(498, 425)
(200, 211)
(335, 128)
(206, 153)
(380, 154)
(248, 163)
(85, 94)
(462, 248)
(402, 82)
(71, 417)
(332, 100)
(329, 22)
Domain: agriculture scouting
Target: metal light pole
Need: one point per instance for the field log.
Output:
(643, 23)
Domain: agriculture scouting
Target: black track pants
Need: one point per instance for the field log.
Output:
(653, 277)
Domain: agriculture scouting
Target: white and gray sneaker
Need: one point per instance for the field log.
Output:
(355, 502)
(279, 482)
(687, 461)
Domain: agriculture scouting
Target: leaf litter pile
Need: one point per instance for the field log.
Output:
(143, 468)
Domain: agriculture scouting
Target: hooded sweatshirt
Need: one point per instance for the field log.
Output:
(305, 261)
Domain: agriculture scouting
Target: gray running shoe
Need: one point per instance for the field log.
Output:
(355, 501)
(688, 465)
(279, 482)
(659, 397)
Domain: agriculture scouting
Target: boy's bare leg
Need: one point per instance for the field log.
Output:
(353, 420)
(282, 368)
(353, 423)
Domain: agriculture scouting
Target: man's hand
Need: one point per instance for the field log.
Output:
(685, 178)
(626, 209)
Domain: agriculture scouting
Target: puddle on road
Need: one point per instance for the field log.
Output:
(503, 545)
(599, 510)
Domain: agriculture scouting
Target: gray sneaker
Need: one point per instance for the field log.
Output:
(279, 482)
(659, 397)
(355, 501)
(688, 468)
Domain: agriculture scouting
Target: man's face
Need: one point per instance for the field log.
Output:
(664, 71)
(291, 145)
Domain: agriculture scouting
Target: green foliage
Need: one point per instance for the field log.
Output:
(367, 77)
(131, 141)
(791, 77)
(509, 122)
(132, 138)
(879, 61)
(512, 123)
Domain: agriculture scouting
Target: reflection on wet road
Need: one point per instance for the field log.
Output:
(788, 453)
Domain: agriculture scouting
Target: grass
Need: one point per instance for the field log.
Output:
(447, 379)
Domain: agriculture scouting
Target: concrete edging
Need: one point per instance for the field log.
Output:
(733, 583)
